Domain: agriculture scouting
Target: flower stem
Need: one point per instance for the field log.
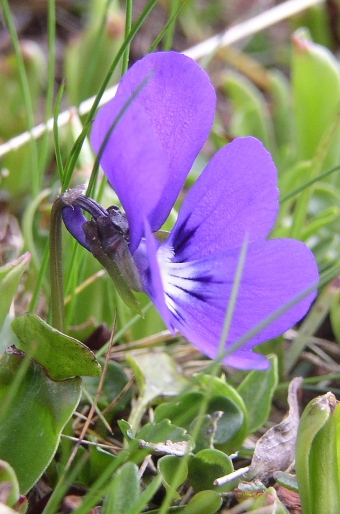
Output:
(56, 272)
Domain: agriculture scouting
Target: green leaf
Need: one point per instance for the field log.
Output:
(124, 491)
(257, 391)
(279, 90)
(173, 472)
(207, 430)
(147, 494)
(8, 480)
(62, 356)
(13, 111)
(232, 427)
(206, 466)
(204, 502)
(286, 480)
(33, 411)
(334, 315)
(316, 19)
(114, 382)
(180, 410)
(225, 430)
(250, 114)
(160, 438)
(165, 438)
(156, 373)
(269, 497)
(97, 463)
(10, 276)
(93, 50)
(317, 461)
(315, 101)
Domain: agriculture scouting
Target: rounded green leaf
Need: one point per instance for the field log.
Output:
(206, 466)
(33, 411)
(204, 502)
(62, 356)
(173, 471)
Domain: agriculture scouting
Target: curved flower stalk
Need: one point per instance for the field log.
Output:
(189, 277)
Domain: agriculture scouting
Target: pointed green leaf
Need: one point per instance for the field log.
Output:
(124, 490)
(33, 411)
(316, 457)
(62, 356)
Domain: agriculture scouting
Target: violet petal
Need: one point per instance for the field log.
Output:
(235, 196)
(156, 141)
(151, 277)
(197, 294)
(74, 220)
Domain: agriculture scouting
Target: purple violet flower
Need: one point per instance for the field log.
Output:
(189, 277)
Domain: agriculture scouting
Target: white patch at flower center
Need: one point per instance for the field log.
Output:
(182, 281)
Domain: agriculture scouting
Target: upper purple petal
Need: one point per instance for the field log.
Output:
(235, 196)
(197, 294)
(155, 143)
